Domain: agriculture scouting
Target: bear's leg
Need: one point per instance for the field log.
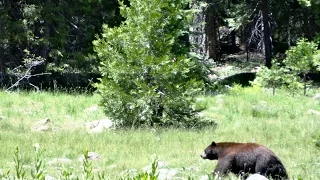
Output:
(261, 168)
(271, 168)
(222, 168)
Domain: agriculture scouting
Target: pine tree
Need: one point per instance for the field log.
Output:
(148, 78)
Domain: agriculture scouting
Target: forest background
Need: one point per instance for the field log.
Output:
(59, 45)
(57, 35)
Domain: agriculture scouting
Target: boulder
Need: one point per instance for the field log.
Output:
(43, 125)
(99, 125)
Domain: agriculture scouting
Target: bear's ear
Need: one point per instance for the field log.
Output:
(213, 143)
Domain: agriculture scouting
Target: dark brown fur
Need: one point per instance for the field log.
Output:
(245, 158)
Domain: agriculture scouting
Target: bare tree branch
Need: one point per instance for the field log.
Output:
(25, 76)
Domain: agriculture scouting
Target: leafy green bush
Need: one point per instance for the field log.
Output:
(276, 77)
(303, 58)
(148, 79)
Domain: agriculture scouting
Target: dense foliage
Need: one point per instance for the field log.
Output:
(277, 77)
(148, 78)
(61, 32)
(300, 59)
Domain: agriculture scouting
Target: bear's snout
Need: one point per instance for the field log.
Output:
(203, 155)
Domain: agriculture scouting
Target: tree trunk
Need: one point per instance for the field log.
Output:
(197, 36)
(289, 35)
(266, 32)
(2, 69)
(233, 41)
(211, 31)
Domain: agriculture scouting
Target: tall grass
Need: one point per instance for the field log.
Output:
(280, 122)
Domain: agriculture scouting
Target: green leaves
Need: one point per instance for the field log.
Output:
(153, 175)
(20, 172)
(38, 172)
(305, 2)
(301, 59)
(276, 77)
(146, 72)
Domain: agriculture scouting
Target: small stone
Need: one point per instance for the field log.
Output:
(99, 125)
(316, 97)
(91, 156)
(204, 177)
(43, 125)
(160, 164)
(312, 111)
(257, 177)
(47, 177)
(92, 109)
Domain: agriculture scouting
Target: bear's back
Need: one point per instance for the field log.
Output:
(242, 149)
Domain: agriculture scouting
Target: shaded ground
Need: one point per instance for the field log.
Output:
(237, 69)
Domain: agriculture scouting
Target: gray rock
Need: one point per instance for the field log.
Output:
(47, 177)
(163, 171)
(42, 122)
(204, 177)
(92, 109)
(93, 156)
(99, 125)
(160, 164)
(257, 177)
(316, 97)
(43, 125)
(314, 112)
(165, 174)
(130, 173)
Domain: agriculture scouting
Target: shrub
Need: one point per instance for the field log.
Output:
(148, 79)
(303, 58)
(276, 77)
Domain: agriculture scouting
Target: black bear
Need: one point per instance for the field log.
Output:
(243, 159)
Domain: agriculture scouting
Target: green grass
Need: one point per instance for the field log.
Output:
(280, 122)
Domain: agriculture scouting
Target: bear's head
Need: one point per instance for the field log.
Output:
(211, 152)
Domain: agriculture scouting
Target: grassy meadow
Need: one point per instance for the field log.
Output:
(280, 122)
